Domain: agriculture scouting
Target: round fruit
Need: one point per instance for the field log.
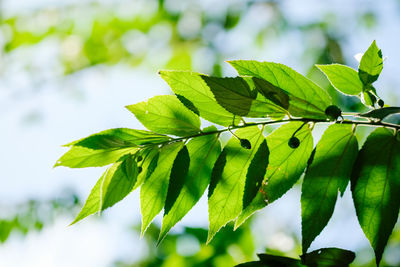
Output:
(139, 158)
(245, 143)
(381, 103)
(333, 112)
(294, 142)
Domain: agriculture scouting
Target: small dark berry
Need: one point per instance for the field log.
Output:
(333, 112)
(139, 169)
(245, 143)
(139, 158)
(294, 142)
(381, 103)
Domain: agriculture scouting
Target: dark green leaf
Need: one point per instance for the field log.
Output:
(153, 192)
(236, 96)
(284, 168)
(115, 184)
(306, 99)
(343, 78)
(82, 157)
(165, 114)
(371, 64)
(328, 174)
(193, 88)
(381, 113)
(226, 197)
(375, 185)
(119, 137)
(203, 152)
(329, 257)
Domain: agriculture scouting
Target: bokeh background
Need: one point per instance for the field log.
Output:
(68, 68)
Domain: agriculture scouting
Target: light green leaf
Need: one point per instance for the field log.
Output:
(236, 96)
(119, 137)
(381, 113)
(284, 168)
(165, 114)
(227, 186)
(147, 165)
(306, 99)
(375, 184)
(343, 78)
(371, 64)
(82, 157)
(328, 173)
(184, 194)
(153, 192)
(114, 185)
(191, 86)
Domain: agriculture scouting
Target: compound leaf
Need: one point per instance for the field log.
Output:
(227, 186)
(343, 78)
(191, 86)
(328, 173)
(165, 114)
(375, 185)
(183, 195)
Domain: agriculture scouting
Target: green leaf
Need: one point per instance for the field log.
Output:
(183, 195)
(371, 64)
(153, 192)
(306, 99)
(375, 184)
(191, 86)
(368, 99)
(227, 186)
(115, 184)
(329, 257)
(82, 157)
(343, 78)
(147, 165)
(119, 137)
(236, 96)
(284, 168)
(328, 173)
(381, 113)
(165, 114)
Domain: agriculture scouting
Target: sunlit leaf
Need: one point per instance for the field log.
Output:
(236, 96)
(82, 157)
(328, 174)
(225, 200)
(284, 168)
(375, 185)
(115, 184)
(306, 99)
(191, 86)
(153, 192)
(119, 137)
(184, 194)
(343, 78)
(165, 114)
(371, 64)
